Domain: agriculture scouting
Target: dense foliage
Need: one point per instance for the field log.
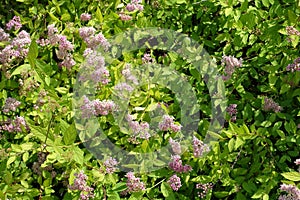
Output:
(45, 147)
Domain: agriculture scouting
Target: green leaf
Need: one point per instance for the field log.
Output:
(167, 191)
(258, 194)
(292, 176)
(70, 134)
(221, 194)
(231, 144)
(77, 154)
(99, 15)
(33, 53)
(21, 68)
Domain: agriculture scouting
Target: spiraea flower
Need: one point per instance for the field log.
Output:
(292, 190)
(15, 125)
(177, 166)
(295, 66)
(230, 63)
(110, 165)
(15, 22)
(125, 17)
(175, 182)
(94, 69)
(134, 184)
(81, 185)
(167, 123)
(269, 104)
(199, 148)
(176, 148)
(96, 107)
(17, 48)
(11, 104)
(3, 35)
(135, 5)
(292, 31)
(85, 17)
(232, 111)
(204, 189)
(139, 129)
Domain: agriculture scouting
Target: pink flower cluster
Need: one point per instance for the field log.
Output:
(230, 63)
(18, 48)
(168, 123)
(85, 17)
(135, 5)
(11, 104)
(292, 31)
(14, 22)
(96, 107)
(175, 146)
(140, 130)
(205, 188)
(175, 182)
(292, 190)
(133, 184)
(269, 104)
(295, 66)
(199, 147)
(176, 165)
(125, 17)
(64, 47)
(232, 111)
(93, 41)
(110, 164)
(15, 125)
(81, 185)
(94, 69)
(3, 35)
(147, 58)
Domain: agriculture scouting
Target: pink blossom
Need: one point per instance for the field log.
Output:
(133, 183)
(175, 182)
(85, 17)
(14, 22)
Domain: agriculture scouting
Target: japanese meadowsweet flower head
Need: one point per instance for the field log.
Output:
(11, 104)
(15, 22)
(81, 185)
(167, 123)
(96, 107)
(292, 190)
(175, 182)
(199, 147)
(85, 17)
(230, 63)
(269, 104)
(134, 5)
(139, 129)
(295, 66)
(292, 30)
(3, 35)
(205, 188)
(110, 164)
(232, 111)
(125, 17)
(176, 165)
(176, 148)
(134, 184)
